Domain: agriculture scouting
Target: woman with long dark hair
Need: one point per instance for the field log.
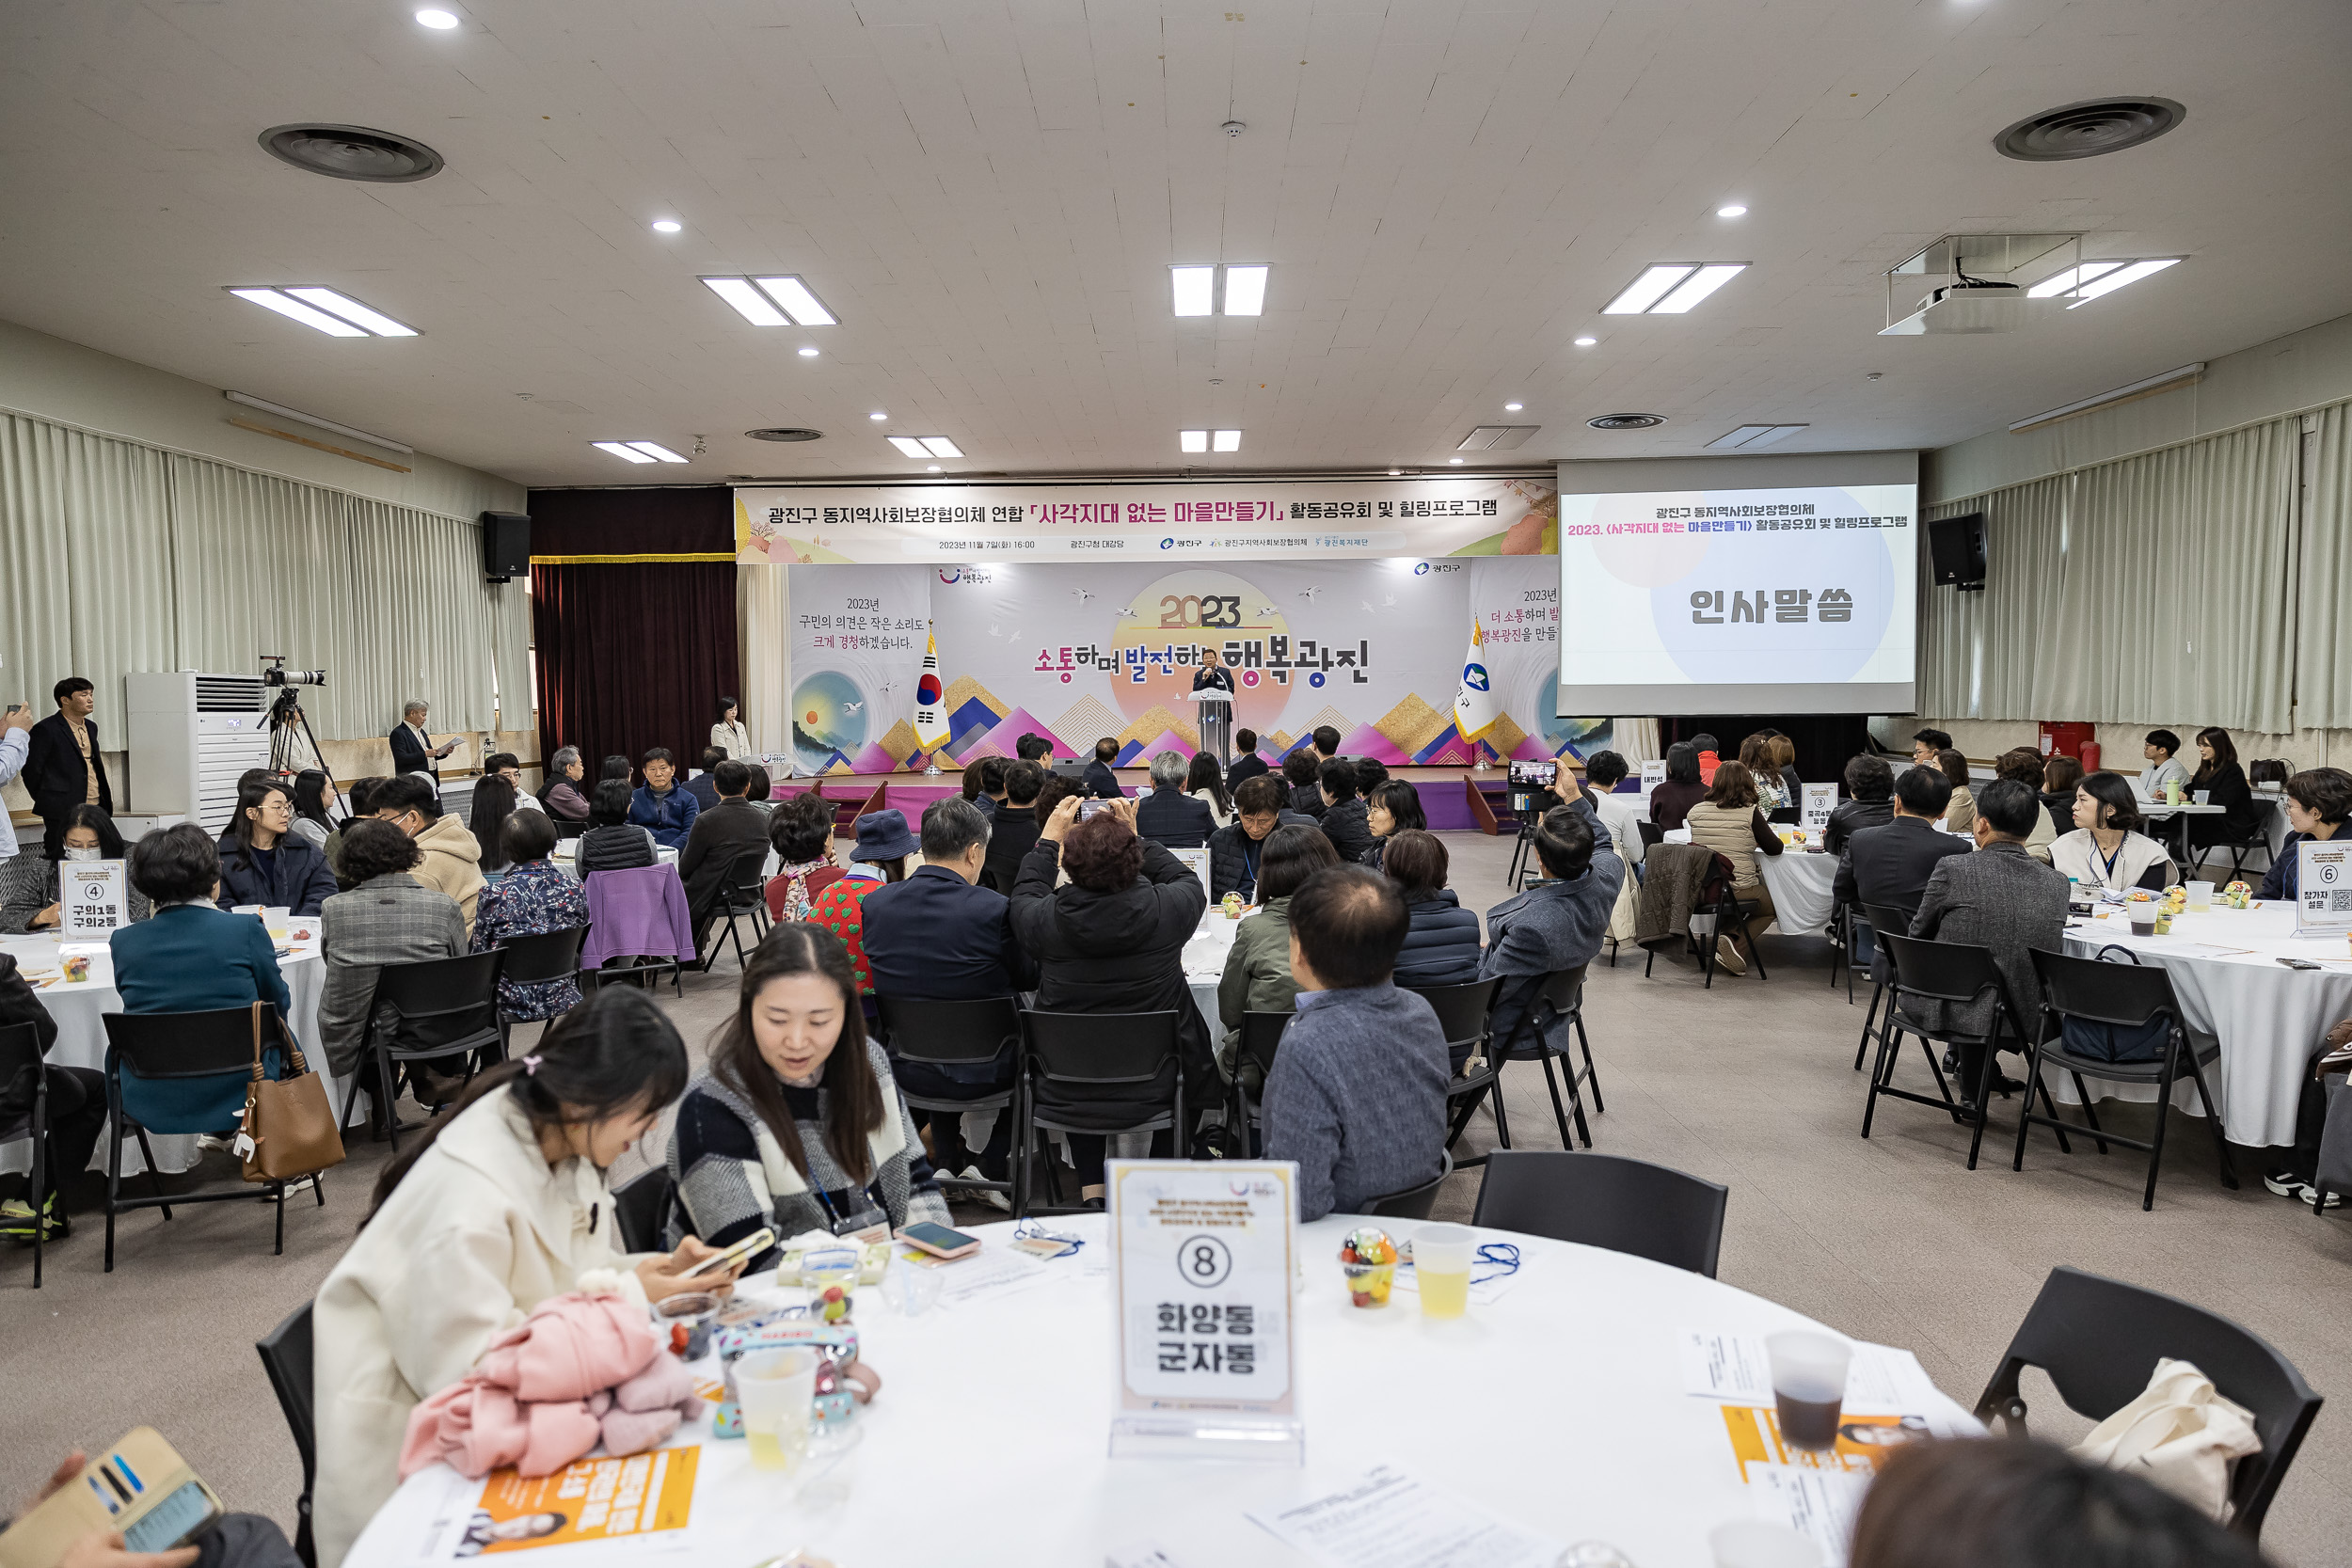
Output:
(501, 1204)
(2220, 782)
(1671, 801)
(263, 861)
(313, 798)
(1205, 782)
(493, 803)
(798, 1125)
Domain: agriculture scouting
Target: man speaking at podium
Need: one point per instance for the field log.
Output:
(1215, 712)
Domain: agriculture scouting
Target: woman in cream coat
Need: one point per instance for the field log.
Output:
(498, 1206)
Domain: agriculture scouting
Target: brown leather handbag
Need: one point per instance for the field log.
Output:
(289, 1121)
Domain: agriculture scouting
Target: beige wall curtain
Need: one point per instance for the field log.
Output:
(122, 558)
(763, 616)
(2153, 589)
(2324, 615)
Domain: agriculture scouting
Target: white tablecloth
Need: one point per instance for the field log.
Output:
(1558, 1407)
(2268, 1018)
(1800, 881)
(82, 1034)
(1204, 962)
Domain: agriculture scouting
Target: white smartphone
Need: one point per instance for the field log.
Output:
(749, 1247)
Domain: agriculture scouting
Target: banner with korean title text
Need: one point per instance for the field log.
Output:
(1206, 520)
(1078, 653)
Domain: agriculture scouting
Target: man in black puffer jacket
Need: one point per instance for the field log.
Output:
(1233, 850)
(1344, 821)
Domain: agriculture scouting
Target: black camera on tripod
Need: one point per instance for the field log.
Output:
(276, 673)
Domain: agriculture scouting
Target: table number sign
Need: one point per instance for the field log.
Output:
(1819, 801)
(1203, 1258)
(90, 901)
(1652, 774)
(2323, 903)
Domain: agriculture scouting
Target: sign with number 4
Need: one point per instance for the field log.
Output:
(1203, 1258)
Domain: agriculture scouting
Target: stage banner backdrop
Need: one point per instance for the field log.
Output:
(953, 523)
(1075, 653)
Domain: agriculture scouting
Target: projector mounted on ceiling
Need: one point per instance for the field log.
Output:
(1978, 283)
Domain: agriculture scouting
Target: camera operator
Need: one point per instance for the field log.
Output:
(413, 751)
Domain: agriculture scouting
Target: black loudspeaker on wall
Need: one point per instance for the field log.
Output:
(1956, 545)
(505, 545)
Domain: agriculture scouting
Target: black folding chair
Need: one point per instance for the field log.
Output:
(533, 960)
(2120, 996)
(20, 1055)
(1413, 1203)
(426, 1011)
(1559, 999)
(1072, 1059)
(285, 1352)
(1253, 1055)
(1954, 975)
(2099, 1340)
(640, 1210)
(1462, 1010)
(1606, 1201)
(159, 1048)
(2243, 844)
(960, 1034)
(742, 895)
(1874, 919)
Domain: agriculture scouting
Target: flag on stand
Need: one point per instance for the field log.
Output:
(930, 724)
(1475, 708)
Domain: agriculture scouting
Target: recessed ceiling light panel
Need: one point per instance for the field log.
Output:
(1192, 440)
(1225, 440)
(1698, 287)
(938, 446)
(1586, 342)
(2130, 272)
(621, 450)
(294, 309)
(1195, 290)
(440, 21)
(353, 312)
(1749, 437)
(803, 306)
(1244, 290)
(1671, 288)
(656, 450)
(907, 446)
(748, 302)
(667, 226)
(1647, 289)
(1735, 211)
(337, 315)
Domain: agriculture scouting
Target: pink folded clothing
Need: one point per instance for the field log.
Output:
(580, 1369)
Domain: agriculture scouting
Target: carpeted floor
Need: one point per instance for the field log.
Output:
(1749, 1084)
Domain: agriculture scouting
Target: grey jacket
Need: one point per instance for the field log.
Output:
(1357, 1096)
(1998, 897)
(388, 919)
(1551, 926)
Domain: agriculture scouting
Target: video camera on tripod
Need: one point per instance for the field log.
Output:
(286, 715)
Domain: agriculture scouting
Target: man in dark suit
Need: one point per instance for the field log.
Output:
(1013, 828)
(1560, 922)
(938, 936)
(1168, 816)
(1999, 897)
(413, 751)
(1345, 819)
(1890, 865)
(1247, 763)
(1102, 783)
(1234, 848)
(62, 767)
(718, 837)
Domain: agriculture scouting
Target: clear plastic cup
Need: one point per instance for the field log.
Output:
(919, 1289)
(1808, 1385)
(2200, 896)
(1442, 1267)
(775, 1389)
(826, 1271)
(1758, 1544)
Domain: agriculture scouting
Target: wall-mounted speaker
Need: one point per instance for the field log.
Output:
(505, 545)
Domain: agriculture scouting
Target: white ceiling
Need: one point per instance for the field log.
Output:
(989, 194)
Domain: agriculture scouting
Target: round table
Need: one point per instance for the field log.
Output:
(1559, 1407)
(1801, 881)
(1204, 962)
(2269, 1019)
(80, 1009)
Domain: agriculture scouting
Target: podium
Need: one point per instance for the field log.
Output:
(1212, 710)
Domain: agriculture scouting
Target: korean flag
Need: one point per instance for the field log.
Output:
(930, 724)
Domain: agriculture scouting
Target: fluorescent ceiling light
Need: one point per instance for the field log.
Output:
(749, 303)
(1646, 290)
(938, 446)
(353, 312)
(1192, 440)
(622, 449)
(1732, 212)
(802, 306)
(1244, 290)
(907, 446)
(656, 450)
(2119, 278)
(294, 309)
(285, 413)
(2065, 279)
(1698, 287)
(1749, 437)
(1225, 441)
(666, 226)
(440, 21)
(1194, 288)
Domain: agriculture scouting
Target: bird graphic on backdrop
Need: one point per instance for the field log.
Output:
(852, 707)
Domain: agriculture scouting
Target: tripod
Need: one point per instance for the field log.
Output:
(285, 716)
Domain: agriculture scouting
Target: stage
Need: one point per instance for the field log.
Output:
(1452, 798)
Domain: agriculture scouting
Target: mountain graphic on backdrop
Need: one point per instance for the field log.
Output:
(1086, 721)
(971, 711)
(1413, 725)
(890, 753)
(1365, 741)
(1003, 737)
(1167, 732)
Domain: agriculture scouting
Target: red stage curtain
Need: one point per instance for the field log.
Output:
(633, 654)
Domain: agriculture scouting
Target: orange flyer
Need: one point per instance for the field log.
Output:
(1862, 1441)
(590, 1499)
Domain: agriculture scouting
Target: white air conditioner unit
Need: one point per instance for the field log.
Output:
(192, 737)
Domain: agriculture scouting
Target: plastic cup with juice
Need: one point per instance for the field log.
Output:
(1442, 1269)
(775, 1389)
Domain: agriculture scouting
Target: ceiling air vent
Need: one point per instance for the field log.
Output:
(2088, 130)
(1497, 437)
(352, 152)
(784, 432)
(1627, 422)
